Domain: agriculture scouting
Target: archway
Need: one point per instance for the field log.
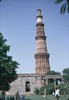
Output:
(50, 80)
(27, 86)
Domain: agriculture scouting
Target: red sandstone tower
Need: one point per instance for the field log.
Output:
(42, 65)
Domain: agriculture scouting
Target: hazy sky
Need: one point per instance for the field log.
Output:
(18, 25)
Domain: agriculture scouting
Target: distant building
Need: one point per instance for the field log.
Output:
(26, 83)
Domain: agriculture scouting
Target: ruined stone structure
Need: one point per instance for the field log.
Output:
(28, 82)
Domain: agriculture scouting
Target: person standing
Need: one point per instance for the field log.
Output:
(2, 95)
(57, 94)
(18, 96)
(45, 95)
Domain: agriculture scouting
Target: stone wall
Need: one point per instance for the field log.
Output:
(33, 80)
(20, 83)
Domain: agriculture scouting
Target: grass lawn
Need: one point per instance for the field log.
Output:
(49, 97)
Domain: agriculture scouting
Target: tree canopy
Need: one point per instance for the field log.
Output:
(66, 75)
(7, 65)
(64, 7)
(53, 73)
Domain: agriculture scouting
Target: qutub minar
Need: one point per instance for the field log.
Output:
(26, 83)
(41, 54)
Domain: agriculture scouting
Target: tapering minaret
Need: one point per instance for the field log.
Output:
(42, 65)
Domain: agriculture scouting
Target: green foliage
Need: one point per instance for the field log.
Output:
(58, 1)
(53, 73)
(67, 89)
(64, 88)
(36, 91)
(64, 6)
(7, 65)
(50, 88)
(42, 90)
(68, 6)
(66, 75)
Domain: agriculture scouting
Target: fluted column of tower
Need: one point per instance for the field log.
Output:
(42, 65)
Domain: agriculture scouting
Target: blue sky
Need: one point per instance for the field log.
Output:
(18, 25)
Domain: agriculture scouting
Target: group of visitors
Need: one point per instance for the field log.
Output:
(18, 96)
(56, 93)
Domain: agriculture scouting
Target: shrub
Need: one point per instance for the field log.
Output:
(50, 88)
(42, 90)
(64, 88)
(36, 91)
(67, 89)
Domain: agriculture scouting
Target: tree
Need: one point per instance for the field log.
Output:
(64, 6)
(7, 65)
(53, 73)
(49, 88)
(66, 75)
(64, 88)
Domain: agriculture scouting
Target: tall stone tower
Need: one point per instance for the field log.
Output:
(41, 55)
